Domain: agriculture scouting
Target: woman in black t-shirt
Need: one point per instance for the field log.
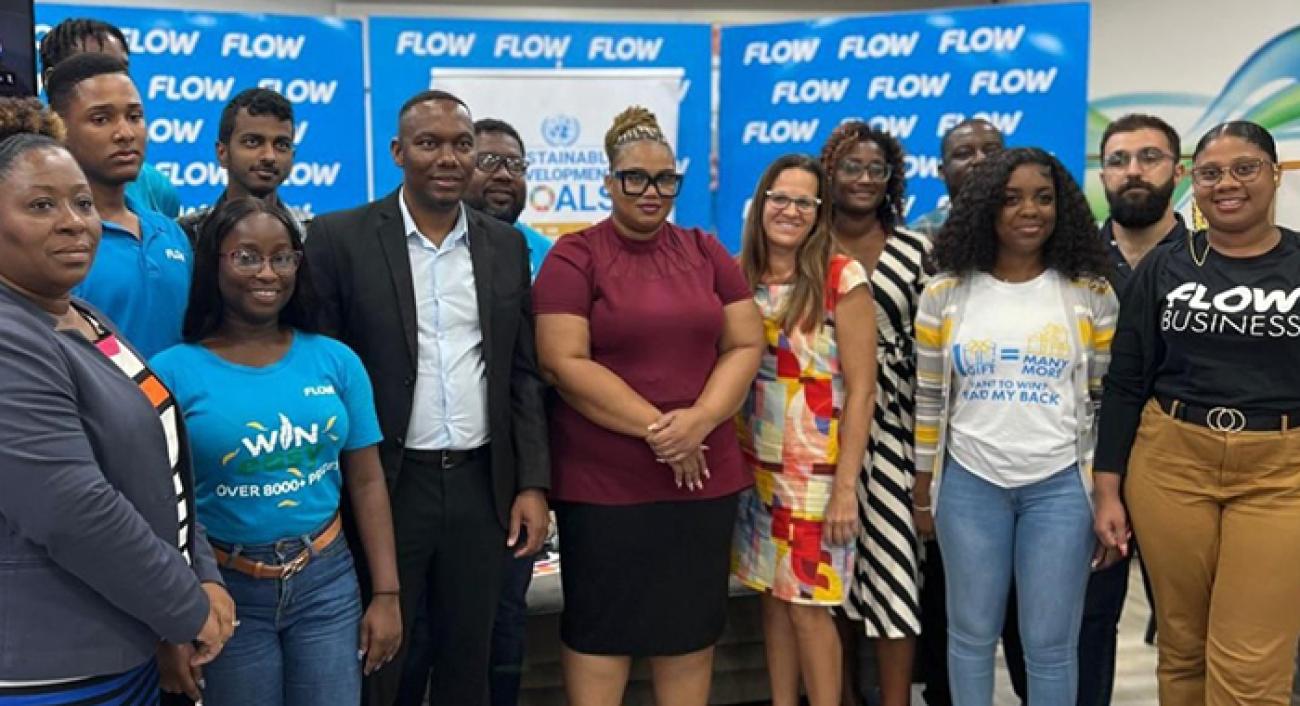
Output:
(1201, 405)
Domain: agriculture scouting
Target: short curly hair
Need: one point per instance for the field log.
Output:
(968, 241)
(25, 125)
(849, 134)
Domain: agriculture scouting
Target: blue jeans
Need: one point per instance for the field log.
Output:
(1042, 532)
(296, 644)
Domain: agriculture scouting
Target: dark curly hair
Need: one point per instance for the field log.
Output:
(968, 240)
(849, 134)
(26, 125)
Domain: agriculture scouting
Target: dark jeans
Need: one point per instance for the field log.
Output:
(508, 631)
(1102, 607)
(932, 647)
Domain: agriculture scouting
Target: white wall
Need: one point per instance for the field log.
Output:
(1178, 45)
(1188, 46)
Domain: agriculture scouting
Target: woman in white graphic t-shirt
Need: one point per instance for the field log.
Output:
(1012, 343)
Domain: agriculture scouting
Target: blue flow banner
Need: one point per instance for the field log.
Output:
(188, 65)
(786, 86)
(567, 160)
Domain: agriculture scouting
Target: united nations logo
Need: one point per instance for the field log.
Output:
(560, 130)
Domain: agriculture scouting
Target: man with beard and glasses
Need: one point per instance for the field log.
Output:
(1140, 166)
(497, 188)
(255, 144)
(968, 143)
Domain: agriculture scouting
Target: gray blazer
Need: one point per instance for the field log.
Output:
(90, 572)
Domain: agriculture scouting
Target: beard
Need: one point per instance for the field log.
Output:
(1133, 211)
(507, 213)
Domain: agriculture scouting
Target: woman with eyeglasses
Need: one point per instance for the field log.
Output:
(650, 335)
(281, 421)
(803, 428)
(1013, 340)
(1200, 412)
(865, 170)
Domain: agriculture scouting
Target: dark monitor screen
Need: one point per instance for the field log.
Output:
(17, 48)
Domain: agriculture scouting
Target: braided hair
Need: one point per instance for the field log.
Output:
(69, 37)
(849, 134)
(635, 124)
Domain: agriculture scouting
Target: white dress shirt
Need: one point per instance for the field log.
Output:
(450, 406)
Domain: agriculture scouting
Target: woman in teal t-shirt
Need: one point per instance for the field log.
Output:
(279, 418)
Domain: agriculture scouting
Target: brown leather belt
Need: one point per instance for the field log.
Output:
(262, 570)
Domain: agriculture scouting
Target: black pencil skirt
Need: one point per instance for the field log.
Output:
(646, 580)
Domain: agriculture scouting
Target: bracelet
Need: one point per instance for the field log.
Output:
(923, 508)
(385, 593)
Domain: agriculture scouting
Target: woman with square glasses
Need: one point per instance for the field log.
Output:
(1198, 419)
(651, 336)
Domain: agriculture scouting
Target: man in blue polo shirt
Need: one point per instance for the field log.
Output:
(141, 274)
(76, 35)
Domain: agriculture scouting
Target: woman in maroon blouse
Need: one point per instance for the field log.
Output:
(650, 334)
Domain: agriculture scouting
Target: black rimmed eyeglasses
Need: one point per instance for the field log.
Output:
(490, 162)
(635, 182)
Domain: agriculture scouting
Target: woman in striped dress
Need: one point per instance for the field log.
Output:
(867, 186)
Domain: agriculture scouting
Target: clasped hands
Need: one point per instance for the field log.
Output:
(677, 439)
(181, 666)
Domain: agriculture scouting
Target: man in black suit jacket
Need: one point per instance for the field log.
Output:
(435, 299)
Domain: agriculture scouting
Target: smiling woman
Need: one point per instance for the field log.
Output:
(270, 468)
(1200, 412)
(90, 508)
(803, 427)
(1013, 341)
(865, 167)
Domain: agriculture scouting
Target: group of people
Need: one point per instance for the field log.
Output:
(252, 460)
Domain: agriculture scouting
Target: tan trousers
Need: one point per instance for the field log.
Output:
(1218, 517)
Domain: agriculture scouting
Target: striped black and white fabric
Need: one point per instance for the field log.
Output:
(883, 591)
(165, 405)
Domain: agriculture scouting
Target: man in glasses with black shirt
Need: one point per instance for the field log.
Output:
(1140, 167)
